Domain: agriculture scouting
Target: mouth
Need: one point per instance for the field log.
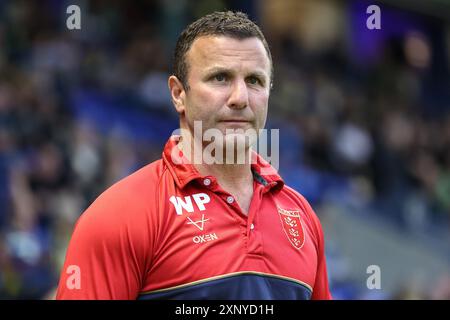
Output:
(235, 121)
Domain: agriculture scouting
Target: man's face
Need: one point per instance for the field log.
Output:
(229, 84)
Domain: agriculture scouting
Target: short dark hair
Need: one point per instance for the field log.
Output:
(226, 23)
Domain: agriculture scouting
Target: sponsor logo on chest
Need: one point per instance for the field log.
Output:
(200, 200)
(187, 204)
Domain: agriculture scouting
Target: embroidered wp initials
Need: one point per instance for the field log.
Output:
(200, 200)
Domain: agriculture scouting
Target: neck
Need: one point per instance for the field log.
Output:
(231, 176)
(232, 170)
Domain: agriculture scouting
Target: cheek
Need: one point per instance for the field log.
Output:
(202, 104)
(260, 106)
(209, 98)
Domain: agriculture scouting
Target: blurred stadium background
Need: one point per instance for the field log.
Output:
(364, 118)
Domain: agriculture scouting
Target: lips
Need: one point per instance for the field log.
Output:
(234, 120)
(235, 123)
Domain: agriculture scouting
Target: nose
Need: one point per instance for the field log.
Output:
(239, 95)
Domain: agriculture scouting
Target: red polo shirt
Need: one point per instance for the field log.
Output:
(166, 232)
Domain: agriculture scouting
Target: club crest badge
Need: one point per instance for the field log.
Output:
(292, 226)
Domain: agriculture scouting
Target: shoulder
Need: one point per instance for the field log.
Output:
(136, 186)
(128, 203)
(135, 189)
(296, 199)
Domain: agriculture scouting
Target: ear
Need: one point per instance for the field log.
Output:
(178, 94)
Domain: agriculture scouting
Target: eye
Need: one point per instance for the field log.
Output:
(253, 80)
(220, 77)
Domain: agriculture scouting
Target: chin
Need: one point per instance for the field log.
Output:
(238, 141)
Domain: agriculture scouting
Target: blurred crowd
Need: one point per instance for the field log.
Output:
(371, 135)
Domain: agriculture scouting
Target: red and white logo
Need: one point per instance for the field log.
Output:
(200, 224)
(200, 200)
(293, 226)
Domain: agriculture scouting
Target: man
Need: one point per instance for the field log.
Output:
(185, 227)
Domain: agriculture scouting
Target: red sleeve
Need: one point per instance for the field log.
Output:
(108, 253)
(321, 289)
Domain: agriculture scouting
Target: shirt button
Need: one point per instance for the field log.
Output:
(207, 182)
(230, 199)
(252, 226)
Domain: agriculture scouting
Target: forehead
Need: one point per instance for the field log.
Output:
(227, 52)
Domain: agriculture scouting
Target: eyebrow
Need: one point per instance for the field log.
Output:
(215, 70)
